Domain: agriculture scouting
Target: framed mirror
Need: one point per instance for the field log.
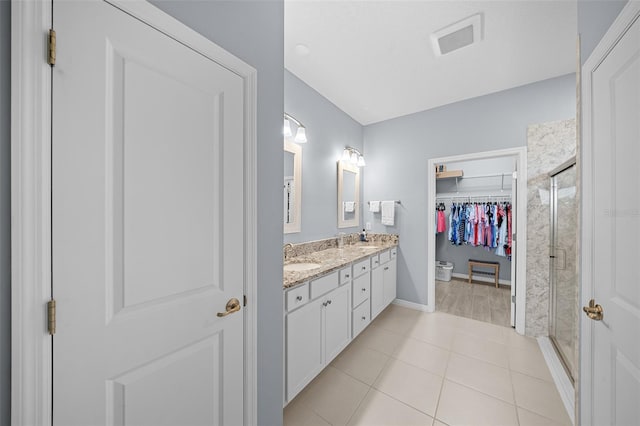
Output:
(348, 195)
(292, 187)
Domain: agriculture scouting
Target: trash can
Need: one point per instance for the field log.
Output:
(443, 270)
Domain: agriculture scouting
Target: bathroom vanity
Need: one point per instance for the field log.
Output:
(330, 296)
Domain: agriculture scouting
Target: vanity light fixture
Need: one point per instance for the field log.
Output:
(353, 156)
(301, 133)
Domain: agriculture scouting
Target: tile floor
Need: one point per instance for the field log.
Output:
(479, 300)
(415, 368)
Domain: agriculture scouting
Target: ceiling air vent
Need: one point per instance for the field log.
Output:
(456, 36)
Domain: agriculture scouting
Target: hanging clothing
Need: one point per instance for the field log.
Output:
(441, 221)
(502, 233)
(483, 224)
(462, 221)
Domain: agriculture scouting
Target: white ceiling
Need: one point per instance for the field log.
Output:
(373, 59)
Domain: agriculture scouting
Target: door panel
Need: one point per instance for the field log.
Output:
(336, 323)
(616, 250)
(147, 226)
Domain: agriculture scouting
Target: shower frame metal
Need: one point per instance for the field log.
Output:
(553, 259)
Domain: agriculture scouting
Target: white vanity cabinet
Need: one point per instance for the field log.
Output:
(317, 331)
(303, 346)
(336, 328)
(389, 281)
(383, 282)
(326, 313)
(377, 292)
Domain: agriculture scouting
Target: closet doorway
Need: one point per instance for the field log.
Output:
(495, 180)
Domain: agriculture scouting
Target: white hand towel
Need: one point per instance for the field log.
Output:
(374, 206)
(388, 212)
(349, 206)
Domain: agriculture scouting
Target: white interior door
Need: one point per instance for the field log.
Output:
(147, 226)
(610, 371)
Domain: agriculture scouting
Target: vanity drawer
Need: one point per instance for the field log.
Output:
(385, 257)
(361, 318)
(324, 285)
(345, 275)
(361, 288)
(394, 252)
(375, 261)
(297, 297)
(361, 267)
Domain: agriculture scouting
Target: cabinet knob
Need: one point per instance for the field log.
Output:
(364, 318)
(346, 275)
(386, 268)
(328, 302)
(364, 268)
(364, 289)
(299, 298)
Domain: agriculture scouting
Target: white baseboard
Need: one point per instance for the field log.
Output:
(560, 378)
(484, 279)
(412, 305)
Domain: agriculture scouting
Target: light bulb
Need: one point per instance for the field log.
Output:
(346, 155)
(361, 162)
(354, 158)
(287, 128)
(301, 135)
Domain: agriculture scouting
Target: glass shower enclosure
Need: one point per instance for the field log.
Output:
(564, 306)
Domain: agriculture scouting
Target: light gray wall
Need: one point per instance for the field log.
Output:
(594, 19)
(254, 31)
(397, 152)
(329, 130)
(5, 212)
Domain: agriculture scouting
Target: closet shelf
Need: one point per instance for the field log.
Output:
(449, 174)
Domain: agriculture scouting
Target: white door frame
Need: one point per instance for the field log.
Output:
(521, 225)
(31, 346)
(625, 19)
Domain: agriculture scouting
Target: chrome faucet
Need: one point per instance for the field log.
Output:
(287, 249)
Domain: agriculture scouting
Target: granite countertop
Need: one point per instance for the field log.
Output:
(331, 259)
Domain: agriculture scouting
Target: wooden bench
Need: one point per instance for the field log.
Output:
(484, 264)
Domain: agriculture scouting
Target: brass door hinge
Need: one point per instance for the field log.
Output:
(51, 57)
(51, 316)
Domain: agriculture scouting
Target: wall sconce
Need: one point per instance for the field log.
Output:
(353, 156)
(301, 133)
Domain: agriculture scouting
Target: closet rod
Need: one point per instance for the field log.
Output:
(472, 198)
(485, 176)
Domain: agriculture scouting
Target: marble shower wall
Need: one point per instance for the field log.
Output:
(548, 146)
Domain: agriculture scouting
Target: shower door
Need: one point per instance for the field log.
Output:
(563, 323)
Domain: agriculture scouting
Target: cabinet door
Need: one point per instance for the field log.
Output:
(377, 292)
(389, 279)
(304, 346)
(337, 313)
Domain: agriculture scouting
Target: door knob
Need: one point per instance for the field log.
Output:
(233, 305)
(594, 311)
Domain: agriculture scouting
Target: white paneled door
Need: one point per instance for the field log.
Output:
(610, 373)
(147, 226)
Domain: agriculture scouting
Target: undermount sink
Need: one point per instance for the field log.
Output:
(297, 267)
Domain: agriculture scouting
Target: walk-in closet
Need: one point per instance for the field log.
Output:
(475, 217)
